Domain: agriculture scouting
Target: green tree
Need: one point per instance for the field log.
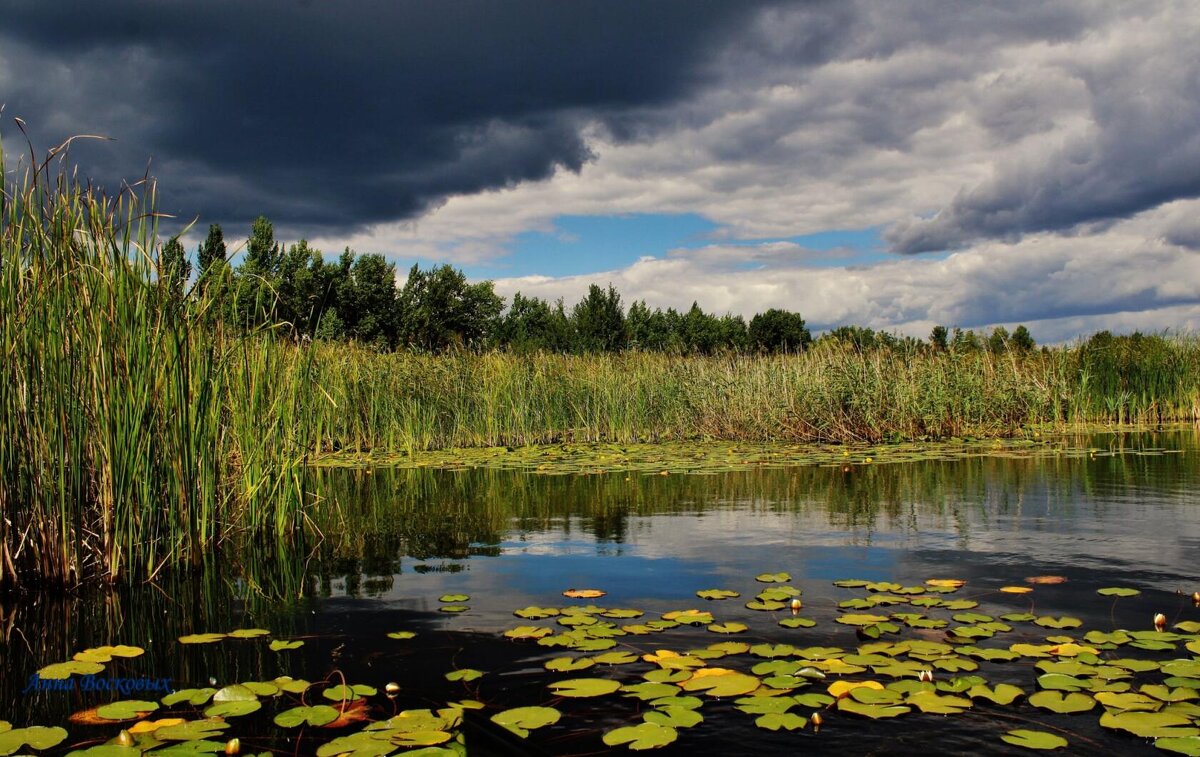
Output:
(965, 341)
(263, 253)
(938, 338)
(174, 268)
(211, 254)
(1021, 340)
(778, 330)
(998, 340)
(531, 324)
(599, 321)
(439, 309)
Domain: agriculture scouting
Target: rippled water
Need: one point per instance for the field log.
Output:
(1128, 515)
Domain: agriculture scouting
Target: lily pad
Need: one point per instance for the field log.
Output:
(1186, 745)
(720, 682)
(35, 737)
(1062, 702)
(317, 715)
(201, 638)
(232, 709)
(585, 687)
(280, 645)
(715, 594)
(774, 721)
(402, 635)
(1117, 591)
(464, 674)
(1042, 740)
(1150, 725)
(453, 598)
(126, 710)
(248, 633)
(522, 720)
(62, 670)
(643, 736)
(873, 711)
(674, 717)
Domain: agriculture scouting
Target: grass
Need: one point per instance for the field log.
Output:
(137, 432)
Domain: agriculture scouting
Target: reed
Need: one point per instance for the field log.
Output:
(137, 431)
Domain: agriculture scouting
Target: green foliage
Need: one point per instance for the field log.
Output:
(599, 321)
(779, 331)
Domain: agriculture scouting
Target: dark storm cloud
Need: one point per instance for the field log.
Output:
(341, 114)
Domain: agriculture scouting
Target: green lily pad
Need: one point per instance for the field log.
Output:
(797, 623)
(522, 720)
(62, 670)
(35, 737)
(1002, 694)
(464, 674)
(248, 633)
(615, 658)
(1069, 702)
(193, 730)
(126, 710)
(1049, 621)
(1116, 591)
(873, 711)
(1028, 739)
(643, 736)
(716, 682)
(716, 594)
(674, 717)
(569, 664)
(585, 687)
(860, 619)
(232, 709)
(201, 638)
(731, 627)
(421, 738)
(1150, 725)
(402, 635)
(280, 645)
(344, 693)
(774, 721)
(528, 632)
(454, 608)
(454, 598)
(106, 653)
(358, 745)
(772, 578)
(235, 693)
(937, 704)
(316, 715)
(1186, 745)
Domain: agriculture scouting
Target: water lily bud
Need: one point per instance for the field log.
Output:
(796, 605)
(1160, 622)
(125, 738)
(816, 721)
(233, 746)
(392, 689)
(1196, 597)
(925, 676)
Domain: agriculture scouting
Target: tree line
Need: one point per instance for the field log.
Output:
(356, 298)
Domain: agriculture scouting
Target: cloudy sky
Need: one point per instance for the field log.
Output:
(892, 164)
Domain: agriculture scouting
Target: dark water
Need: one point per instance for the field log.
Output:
(1127, 516)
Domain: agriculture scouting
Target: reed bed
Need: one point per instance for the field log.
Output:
(138, 431)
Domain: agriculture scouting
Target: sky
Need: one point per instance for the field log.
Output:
(896, 165)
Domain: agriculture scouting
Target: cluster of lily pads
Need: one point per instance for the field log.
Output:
(715, 456)
(918, 650)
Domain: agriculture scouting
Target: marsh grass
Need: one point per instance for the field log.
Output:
(139, 431)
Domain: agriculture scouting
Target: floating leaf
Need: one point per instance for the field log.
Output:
(839, 689)
(615, 658)
(1150, 725)
(317, 715)
(248, 633)
(464, 674)
(873, 711)
(720, 682)
(1049, 621)
(522, 720)
(730, 627)
(193, 730)
(536, 613)
(938, 704)
(453, 608)
(946, 583)
(772, 578)
(126, 710)
(232, 709)
(797, 623)
(106, 653)
(643, 736)
(201, 638)
(1003, 694)
(1186, 745)
(420, 738)
(1024, 737)
(402, 635)
(583, 593)
(1116, 591)
(279, 645)
(568, 664)
(1046, 579)
(1015, 589)
(585, 687)
(1062, 702)
(528, 632)
(62, 670)
(343, 692)
(715, 594)
(774, 721)
(35, 737)
(674, 717)
(454, 598)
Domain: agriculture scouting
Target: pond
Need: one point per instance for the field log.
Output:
(874, 552)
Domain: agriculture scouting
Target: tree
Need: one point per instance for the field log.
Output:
(778, 330)
(938, 338)
(998, 341)
(964, 341)
(599, 321)
(438, 309)
(263, 254)
(211, 254)
(174, 268)
(531, 324)
(1021, 340)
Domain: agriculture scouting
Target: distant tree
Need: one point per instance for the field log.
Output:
(858, 337)
(531, 324)
(938, 338)
(174, 268)
(1021, 340)
(778, 330)
(998, 340)
(263, 253)
(211, 253)
(599, 321)
(367, 301)
(964, 341)
(438, 309)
